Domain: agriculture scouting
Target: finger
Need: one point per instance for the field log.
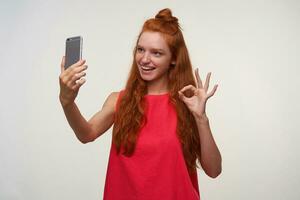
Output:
(80, 68)
(62, 65)
(76, 65)
(78, 84)
(206, 85)
(213, 91)
(182, 96)
(188, 87)
(75, 70)
(72, 81)
(80, 62)
(71, 84)
(69, 78)
(78, 76)
(199, 82)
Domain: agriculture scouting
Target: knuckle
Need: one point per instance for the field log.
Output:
(69, 84)
(62, 76)
(64, 80)
(75, 79)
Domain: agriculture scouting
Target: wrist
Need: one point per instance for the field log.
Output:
(65, 103)
(201, 117)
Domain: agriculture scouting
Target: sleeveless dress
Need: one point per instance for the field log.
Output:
(157, 168)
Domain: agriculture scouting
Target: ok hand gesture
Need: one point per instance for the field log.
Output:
(197, 102)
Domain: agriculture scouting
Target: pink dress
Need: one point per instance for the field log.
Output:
(157, 169)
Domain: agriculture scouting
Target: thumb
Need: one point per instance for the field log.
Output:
(62, 65)
(182, 97)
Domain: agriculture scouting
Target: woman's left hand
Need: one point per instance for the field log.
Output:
(197, 102)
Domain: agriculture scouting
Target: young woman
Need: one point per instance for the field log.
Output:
(160, 126)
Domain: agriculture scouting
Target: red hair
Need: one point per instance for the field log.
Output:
(129, 117)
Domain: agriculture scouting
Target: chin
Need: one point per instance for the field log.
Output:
(146, 78)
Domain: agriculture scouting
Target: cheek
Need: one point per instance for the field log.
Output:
(136, 57)
(164, 63)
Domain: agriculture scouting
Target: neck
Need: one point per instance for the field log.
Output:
(158, 86)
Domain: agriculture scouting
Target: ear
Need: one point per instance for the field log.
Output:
(173, 63)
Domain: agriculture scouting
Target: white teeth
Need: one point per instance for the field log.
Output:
(147, 68)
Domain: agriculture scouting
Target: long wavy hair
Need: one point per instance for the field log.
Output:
(129, 118)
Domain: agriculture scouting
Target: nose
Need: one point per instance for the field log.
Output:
(145, 59)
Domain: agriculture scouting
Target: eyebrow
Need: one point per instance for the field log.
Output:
(152, 49)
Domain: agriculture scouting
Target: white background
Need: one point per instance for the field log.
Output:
(251, 48)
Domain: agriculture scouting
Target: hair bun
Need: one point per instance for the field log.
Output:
(166, 15)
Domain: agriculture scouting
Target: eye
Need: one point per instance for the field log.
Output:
(139, 49)
(157, 53)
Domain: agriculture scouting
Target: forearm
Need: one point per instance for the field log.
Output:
(80, 126)
(210, 160)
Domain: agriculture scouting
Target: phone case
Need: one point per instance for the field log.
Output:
(73, 50)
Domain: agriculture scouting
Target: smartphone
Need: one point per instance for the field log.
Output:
(73, 50)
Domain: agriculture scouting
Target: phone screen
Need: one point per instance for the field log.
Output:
(73, 50)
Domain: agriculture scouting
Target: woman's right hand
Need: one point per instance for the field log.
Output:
(70, 80)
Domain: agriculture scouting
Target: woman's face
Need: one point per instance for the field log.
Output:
(153, 57)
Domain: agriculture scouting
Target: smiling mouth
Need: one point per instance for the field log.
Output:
(147, 68)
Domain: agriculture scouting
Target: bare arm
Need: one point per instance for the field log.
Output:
(211, 159)
(70, 80)
(88, 131)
